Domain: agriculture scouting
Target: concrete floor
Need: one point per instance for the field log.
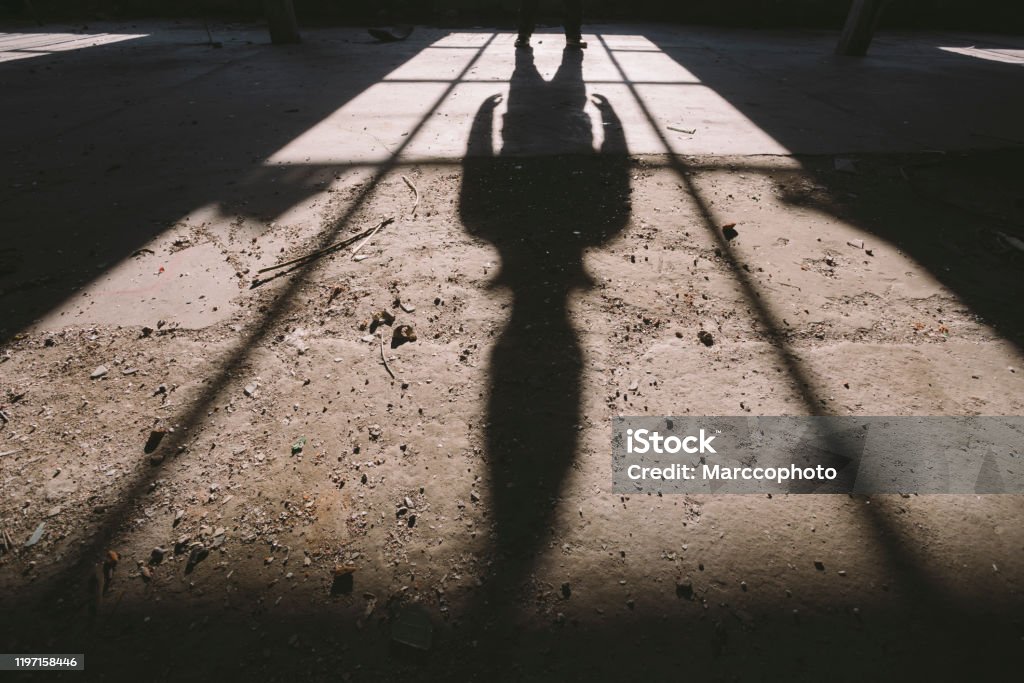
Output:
(203, 132)
(148, 176)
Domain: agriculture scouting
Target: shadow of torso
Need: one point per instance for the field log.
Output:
(542, 201)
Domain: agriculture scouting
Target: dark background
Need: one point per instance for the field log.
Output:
(989, 15)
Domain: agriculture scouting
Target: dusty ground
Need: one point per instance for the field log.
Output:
(313, 511)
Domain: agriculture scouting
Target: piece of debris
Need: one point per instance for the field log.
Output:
(688, 131)
(298, 445)
(412, 627)
(408, 308)
(297, 338)
(416, 202)
(1014, 242)
(355, 252)
(402, 335)
(844, 165)
(36, 535)
(819, 565)
(729, 231)
(100, 371)
(198, 553)
(371, 604)
(382, 317)
(856, 244)
(110, 561)
(155, 437)
(705, 338)
(250, 389)
(391, 34)
(344, 579)
(370, 232)
(383, 358)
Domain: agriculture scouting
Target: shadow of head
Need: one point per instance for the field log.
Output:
(552, 190)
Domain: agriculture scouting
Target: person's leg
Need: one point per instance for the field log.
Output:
(527, 20)
(573, 23)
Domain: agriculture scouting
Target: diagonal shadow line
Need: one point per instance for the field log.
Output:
(921, 587)
(90, 552)
(750, 292)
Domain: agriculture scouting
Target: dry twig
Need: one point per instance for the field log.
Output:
(415, 203)
(382, 356)
(370, 232)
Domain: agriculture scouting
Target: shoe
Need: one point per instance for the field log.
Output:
(576, 43)
(523, 42)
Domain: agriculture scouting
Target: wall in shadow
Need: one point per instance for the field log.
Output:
(997, 15)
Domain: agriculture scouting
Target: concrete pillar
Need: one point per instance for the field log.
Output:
(860, 27)
(281, 19)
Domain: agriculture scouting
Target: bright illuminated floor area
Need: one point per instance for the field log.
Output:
(206, 469)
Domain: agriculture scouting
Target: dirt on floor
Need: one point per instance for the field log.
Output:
(395, 465)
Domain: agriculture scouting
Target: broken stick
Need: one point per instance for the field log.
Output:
(416, 203)
(382, 357)
(372, 233)
(334, 247)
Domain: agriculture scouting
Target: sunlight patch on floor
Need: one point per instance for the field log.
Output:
(15, 46)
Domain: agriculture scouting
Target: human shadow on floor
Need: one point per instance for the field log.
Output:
(542, 200)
